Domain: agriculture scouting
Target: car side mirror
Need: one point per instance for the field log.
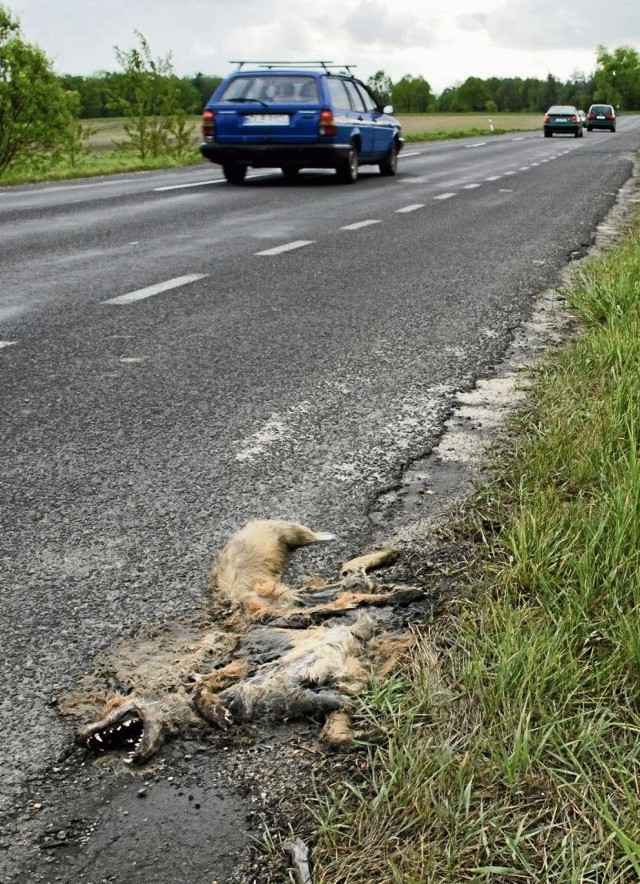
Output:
(387, 109)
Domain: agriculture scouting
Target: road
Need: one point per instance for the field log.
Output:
(179, 355)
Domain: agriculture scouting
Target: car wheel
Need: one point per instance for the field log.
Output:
(234, 172)
(290, 171)
(389, 165)
(347, 171)
(613, 128)
(548, 134)
(589, 128)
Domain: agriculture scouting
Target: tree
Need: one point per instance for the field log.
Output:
(205, 86)
(35, 111)
(149, 98)
(412, 95)
(380, 85)
(617, 77)
(473, 95)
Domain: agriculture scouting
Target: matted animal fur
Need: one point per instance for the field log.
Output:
(277, 652)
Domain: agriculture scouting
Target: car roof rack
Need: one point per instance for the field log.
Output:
(327, 66)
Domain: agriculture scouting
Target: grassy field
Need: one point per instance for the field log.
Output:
(509, 751)
(413, 125)
(425, 126)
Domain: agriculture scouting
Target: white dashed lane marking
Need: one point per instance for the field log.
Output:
(151, 290)
(287, 247)
(470, 186)
(444, 196)
(413, 208)
(7, 344)
(360, 224)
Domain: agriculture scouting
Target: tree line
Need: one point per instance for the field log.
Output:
(42, 113)
(616, 80)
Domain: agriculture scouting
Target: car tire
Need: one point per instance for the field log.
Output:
(234, 172)
(290, 170)
(589, 128)
(613, 128)
(389, 165)
(347, 170)
(548, 134)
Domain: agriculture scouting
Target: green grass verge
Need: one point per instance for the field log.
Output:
(510, 748)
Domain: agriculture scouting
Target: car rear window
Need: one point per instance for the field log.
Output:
(267, 87)
(601, 108)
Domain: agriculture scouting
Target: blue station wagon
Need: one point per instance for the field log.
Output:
(298, 115)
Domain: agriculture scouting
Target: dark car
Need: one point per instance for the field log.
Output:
(562, 119)
(298, 115)
(601, 116)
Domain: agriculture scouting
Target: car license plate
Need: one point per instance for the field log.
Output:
(600, 117)
(267, 120)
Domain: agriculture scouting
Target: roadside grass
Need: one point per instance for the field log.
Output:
(509, 748)
(100, 156)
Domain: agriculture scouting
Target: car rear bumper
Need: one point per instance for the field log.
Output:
(567, 130)
(315, 156)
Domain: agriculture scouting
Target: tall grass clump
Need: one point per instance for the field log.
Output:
(516, 756)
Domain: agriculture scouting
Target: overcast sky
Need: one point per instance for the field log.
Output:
(445, 41)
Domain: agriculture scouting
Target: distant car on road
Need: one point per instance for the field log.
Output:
(296, 115)
(601, 116)
(562, 119)
(583, 117)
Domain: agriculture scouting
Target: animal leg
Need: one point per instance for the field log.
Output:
(337, 731)
(206, 698)
(300, 618)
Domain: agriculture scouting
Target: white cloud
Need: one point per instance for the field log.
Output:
(535, 25)
(445, 41)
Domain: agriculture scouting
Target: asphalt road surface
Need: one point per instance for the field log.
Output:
(179, 355)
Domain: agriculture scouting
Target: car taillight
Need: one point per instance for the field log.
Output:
(327, 124)
(574, 118)
(547, 118)
(208, 125)
(591, 116)
(609, 116)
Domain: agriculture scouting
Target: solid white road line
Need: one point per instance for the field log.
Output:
(360, 224)
(412, 208)
(140, 294)
(191, 184)
(205, 183)
(296, 244)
